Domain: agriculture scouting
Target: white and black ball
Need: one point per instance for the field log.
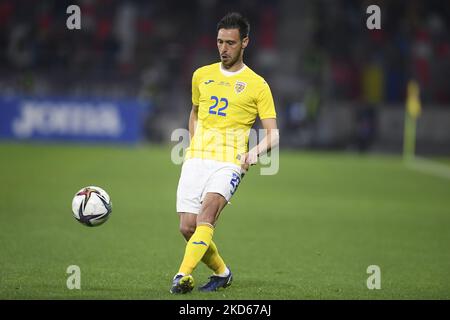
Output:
(91, 206)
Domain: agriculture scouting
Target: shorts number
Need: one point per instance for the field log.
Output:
(234, 183)
(216, 103)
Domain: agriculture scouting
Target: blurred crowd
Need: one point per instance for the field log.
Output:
(311, 52)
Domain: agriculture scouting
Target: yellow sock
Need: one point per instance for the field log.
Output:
(196, 247)
(213, 260)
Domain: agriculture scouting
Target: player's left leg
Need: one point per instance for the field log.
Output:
(224, 182)
(200, 241)
(212, 258)
(222, 275)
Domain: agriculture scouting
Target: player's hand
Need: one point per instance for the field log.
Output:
(244, 169)
(247, 159)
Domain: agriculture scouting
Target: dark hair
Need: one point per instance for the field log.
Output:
(235, 20)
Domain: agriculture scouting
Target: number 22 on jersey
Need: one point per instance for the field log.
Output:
(221, 104)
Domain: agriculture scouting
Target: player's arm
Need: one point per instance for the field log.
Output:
(193, 118)
(270, 141)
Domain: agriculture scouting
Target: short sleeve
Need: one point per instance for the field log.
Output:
(195, 89)
(265, 104)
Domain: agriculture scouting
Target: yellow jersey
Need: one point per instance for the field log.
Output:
(228, 104)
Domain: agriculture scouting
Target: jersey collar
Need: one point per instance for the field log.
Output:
(231, 73)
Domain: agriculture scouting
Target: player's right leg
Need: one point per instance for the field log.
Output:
(199, 247)
(192, 180)
(198, 234)
(188, 223)
(182, 283)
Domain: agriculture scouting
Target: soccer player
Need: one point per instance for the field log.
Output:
(226, 99)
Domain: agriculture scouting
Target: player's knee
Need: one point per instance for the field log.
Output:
(211, 208)
(187, 231)
(214, 201)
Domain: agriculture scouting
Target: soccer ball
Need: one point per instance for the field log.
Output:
(91, 206)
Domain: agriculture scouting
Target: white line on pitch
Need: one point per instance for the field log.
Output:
(429, 166)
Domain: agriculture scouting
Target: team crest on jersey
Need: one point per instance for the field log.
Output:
(239, 86)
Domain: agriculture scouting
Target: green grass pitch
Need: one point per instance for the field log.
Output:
(309, 232)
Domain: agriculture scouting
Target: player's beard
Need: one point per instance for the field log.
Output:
(231, 61)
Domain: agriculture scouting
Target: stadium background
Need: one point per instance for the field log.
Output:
(344, 198)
